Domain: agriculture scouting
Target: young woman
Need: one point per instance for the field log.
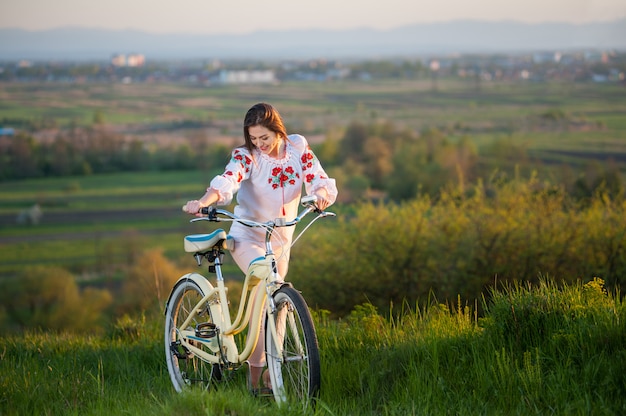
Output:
(267, 173)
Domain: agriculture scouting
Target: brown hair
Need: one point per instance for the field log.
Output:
(263, 114)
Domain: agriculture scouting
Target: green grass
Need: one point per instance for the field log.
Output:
(544, 349)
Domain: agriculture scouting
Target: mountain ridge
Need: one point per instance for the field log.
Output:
(460, 36)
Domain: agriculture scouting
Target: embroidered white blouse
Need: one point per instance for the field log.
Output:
(268, 188)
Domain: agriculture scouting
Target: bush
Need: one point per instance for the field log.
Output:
(48, 298)
(460, 244)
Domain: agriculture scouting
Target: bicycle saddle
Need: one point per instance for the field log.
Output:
(197, 243)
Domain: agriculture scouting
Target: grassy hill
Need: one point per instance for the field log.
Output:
(544, 349)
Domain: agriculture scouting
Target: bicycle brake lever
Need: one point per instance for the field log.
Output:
(210, 212)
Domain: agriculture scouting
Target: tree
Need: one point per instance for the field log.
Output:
(148, 282)
(378, 161)
(23, 157)
(353, 142)
(48, 298)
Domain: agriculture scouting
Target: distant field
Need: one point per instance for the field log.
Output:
(555, 123)
(312, 108)
(552, 117)
(84, 215)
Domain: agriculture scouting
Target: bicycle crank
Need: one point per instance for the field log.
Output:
(180, 351)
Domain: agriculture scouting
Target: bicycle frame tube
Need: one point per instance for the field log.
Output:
(261, 270)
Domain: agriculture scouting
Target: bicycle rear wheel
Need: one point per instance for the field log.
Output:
(186, 369)
(294, 364)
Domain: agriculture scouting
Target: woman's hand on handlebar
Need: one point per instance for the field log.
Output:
(322, 199)
(209, 198)
(193, 208)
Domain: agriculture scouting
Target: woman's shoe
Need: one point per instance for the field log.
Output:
(262, 392)
(267, 381)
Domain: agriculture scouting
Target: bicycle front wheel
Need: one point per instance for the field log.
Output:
(186, 369)
(293, 358)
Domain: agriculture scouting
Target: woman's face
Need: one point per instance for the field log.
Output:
(265, 140)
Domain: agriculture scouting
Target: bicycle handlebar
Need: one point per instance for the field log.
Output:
(308, 202)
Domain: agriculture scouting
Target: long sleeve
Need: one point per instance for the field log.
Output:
(237, 170)
(314, 175)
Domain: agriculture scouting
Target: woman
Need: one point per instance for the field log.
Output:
(267, 173)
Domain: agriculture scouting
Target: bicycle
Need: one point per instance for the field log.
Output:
(200, 345)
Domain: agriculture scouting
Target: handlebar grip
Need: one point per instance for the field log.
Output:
(203, 210)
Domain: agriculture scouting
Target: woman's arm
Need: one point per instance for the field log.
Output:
(223, 187)
(209, 198)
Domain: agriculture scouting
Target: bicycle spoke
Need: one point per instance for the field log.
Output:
(186, 369)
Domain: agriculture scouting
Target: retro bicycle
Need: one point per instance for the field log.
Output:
(201, 348)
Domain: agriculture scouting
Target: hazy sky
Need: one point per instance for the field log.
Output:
(243, 16)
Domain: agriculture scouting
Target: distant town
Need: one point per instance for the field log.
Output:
(582, 66)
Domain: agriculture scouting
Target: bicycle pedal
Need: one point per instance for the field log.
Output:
(179, 350)
(206, 330)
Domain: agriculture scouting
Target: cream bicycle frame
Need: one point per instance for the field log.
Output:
(253, 304)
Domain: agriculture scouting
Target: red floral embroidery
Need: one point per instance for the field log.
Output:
(281, 176)
(310, 177)
(243, 160)
(307, 160)
(231, 173)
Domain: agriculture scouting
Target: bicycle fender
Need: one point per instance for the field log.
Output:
(198, 279)
(280, 285)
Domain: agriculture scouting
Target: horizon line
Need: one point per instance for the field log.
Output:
(370, 28)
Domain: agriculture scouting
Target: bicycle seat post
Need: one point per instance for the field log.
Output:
(217, 267)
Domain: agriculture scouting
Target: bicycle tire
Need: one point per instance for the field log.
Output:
(295, 375)
(185, 369)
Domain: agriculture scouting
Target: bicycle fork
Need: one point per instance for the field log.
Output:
(284, 321)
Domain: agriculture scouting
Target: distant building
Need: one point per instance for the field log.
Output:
(596, 56)
(247, 77)
(545, 57)
(599, 77)
(338, 73)
(132, 60)
(135, 60)
(118, 60)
